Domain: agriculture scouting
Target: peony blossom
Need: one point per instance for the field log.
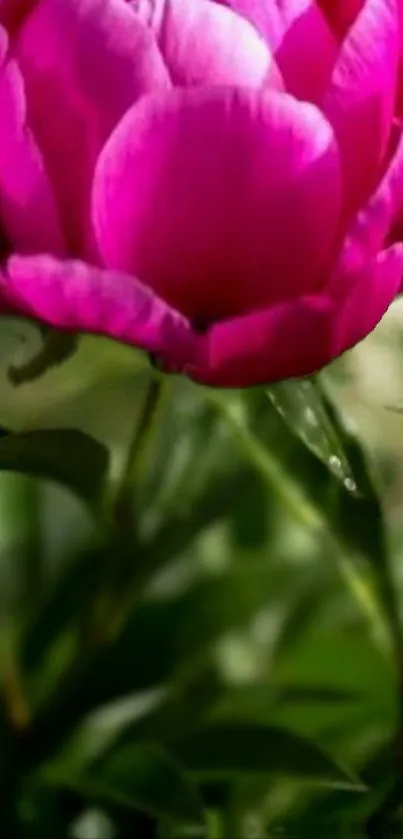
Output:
(213, 182)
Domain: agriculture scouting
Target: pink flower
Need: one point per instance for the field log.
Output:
(214, 182)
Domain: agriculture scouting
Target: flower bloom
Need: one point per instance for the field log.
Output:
(214, 182)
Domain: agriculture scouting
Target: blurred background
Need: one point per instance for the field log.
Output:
(200, 599)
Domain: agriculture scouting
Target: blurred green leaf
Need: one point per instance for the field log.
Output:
(213, 502)
(348, 662)
(318, 711)
(250, 513)
(168, 639)
(373, 537)
(302, 406)
(356, 520)
(338, 660)
(61, 607)
(318, 499)
(222, 750)
(21, 552)
(56, 348)
(144, 777)
(177, 631)
(256, 702)
(304, 482)
(105, 728)
(68, 457)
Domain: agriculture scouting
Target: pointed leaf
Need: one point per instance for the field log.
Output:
(320, 501)
(224, 750)
(143, 777)
(301, 405)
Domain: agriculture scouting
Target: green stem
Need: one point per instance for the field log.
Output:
(231, 823)
(100, 622)
(123, 504)
(123, 544)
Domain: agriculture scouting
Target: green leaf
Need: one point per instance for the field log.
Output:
(302, 479)
(339, 661)
(56, 348)
(309, 709)
(177, 632)
(362, 522)
(162, 640)
(143, 777)
(72, 458)
(320, 501)
(223, 750)
(353, 508)
(62, 605)
(106, 728)
(302, 406)
(256, 702)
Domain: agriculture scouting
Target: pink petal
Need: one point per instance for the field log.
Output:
(361, 98)
(299, 337)
(291, 339)
(378, 287)
(215, 198)
(12, 12)
(84, 63)
(265, 16)
(375, 223)
(203, 42)
(341, 13)
(77, 297)
(307, 51)
(28, 211)
(303, 43)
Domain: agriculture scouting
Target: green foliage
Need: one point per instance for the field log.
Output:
(69, 457)
(219, 652)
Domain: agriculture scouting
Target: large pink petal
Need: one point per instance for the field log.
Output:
(299, 337)
(78, 297)
(215, 198)
(203, 42)
(361, 98)
(84, 63)
(28, 211)
(292, 339)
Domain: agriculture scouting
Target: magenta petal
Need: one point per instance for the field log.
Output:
(292, 339)
(215, 197)
(307, 51)
(265, 16)
(378, 286)
(12, 12)
(298, 338)
(28, 211)
(374, 224)
(283, 341)
(341, 13)
(203, 42)
(77, 297)
(299, 36)
(84, 63)
(361, 97)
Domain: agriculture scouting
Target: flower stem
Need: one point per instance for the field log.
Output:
(123, 502)
(121, 551)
